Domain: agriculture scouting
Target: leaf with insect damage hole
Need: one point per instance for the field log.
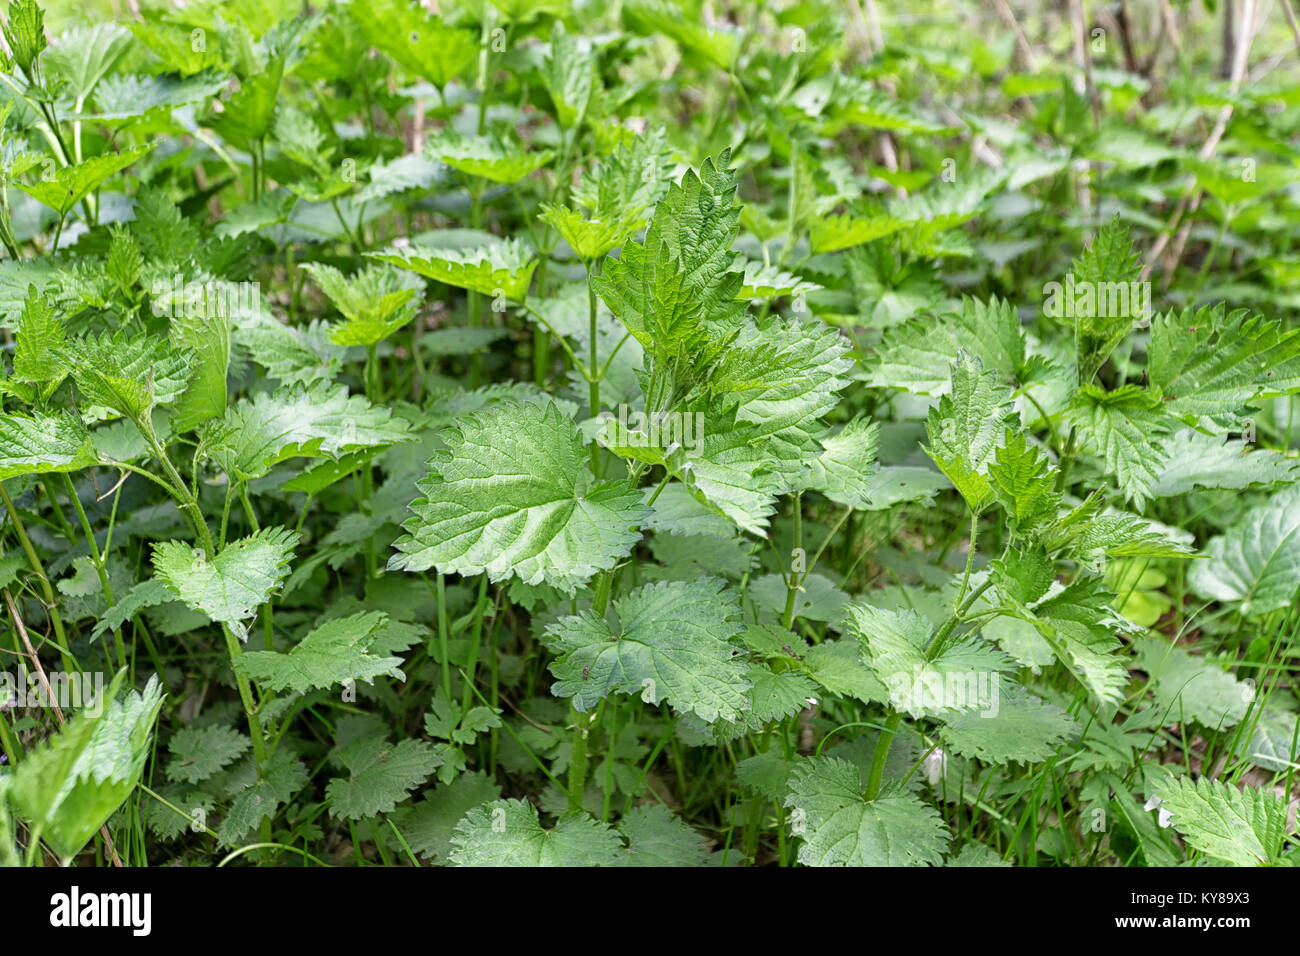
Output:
(420, 44)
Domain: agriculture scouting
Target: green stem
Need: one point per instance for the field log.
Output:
(98, 560)
(51, 604)
(581, 722)
(442, 635)
(880, 755)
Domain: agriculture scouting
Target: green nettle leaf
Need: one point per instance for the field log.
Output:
(656, 838)
(344, 649)
(839, 826)
(1193, 460)
(512, 495)
(83, 55)
(429, 825)
(1191, 688)
(491, 159)
(375, 302)
(320, 421)
(715, 46)
(965, 428)
(24, 31)
(848, 458)
(420, 45)
(838, 667)
(43, 444)
(1016, 727)
(380, 775)
(673, 643)
(199, 752)
(447, 721)
(229, 587)
(247, 117)
(148, 593)
(1256, 564)
(568, 74)
(503, 268)
(207, 338)
(257, 798)
(509, 833)
(1125, 427)
(292, 355)
(682, 277)
(630, 180)
(890, 292)
(769, 282)
(175, 46)
(129, 375)
(1213, 362)
(962, 678)
(1023, 575)
(1079, 626)
(895, 484)
(917, 356)
(1231, 826)
(39, 357)
(1103, 305)
(69, 787)
(71, 184)
(1086, 534)
(123, 98)
(592, 238)
(977, 854)
(1024, 483)
(836, 233)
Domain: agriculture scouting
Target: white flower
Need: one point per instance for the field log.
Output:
(1164, 818)
(936, 763)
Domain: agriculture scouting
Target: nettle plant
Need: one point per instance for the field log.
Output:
(455, 455)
